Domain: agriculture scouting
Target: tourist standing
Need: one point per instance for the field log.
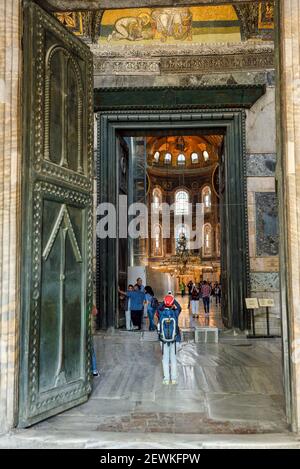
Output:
(206, 291)
(152, 305)
(195, 296)
(137, 299)
(169, 334)
(190, 286)
(182, 288)
(129, 325)
(218, 294)
(139, 283)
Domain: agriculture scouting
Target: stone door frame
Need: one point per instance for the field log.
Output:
(233, 123)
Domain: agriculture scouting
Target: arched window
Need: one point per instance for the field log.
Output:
(206, 155)
(195, 158)
(156, 156)
(207, 251)
(181, 159)
(218, 240)
(181, 202)
(157, 240)
(168, 158)
(156, 199)
(206, 198)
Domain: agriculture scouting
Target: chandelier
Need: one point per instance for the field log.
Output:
(182, 256)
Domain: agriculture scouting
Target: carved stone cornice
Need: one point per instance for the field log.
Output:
(132, 66)
(168, 50)
(200, 64)
(229, 58)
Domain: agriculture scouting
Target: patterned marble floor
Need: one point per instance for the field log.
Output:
(234, 386)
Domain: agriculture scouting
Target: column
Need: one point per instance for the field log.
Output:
(289, 18)
(10, 185)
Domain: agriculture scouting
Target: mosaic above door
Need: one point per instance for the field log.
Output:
(149, 26)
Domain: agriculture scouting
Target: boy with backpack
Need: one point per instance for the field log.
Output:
(169, 334)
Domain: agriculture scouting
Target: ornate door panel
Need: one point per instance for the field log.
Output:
(122, 242)
(57, 222)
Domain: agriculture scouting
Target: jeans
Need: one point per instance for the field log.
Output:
(151, 312)
(206, 304)
(195, 307)
(94, 363)
(169, 359)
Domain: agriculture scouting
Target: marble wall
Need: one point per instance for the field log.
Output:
(10, 180)
(262, 207)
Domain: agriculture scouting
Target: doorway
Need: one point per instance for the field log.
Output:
(232, 123)
(175, 178)
(118, 133)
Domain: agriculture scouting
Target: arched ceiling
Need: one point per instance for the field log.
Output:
(185, 145)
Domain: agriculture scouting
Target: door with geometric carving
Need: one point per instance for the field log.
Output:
(57, 219)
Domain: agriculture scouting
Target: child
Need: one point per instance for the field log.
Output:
(168, 335)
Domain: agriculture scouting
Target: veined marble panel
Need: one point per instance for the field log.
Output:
(264, 281)
(267, 233)
(261, 164)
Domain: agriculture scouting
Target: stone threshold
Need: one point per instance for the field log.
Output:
(36, 439)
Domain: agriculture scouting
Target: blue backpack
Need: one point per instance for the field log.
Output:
(154, 303)
(168, 325)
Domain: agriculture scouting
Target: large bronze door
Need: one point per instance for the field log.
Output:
(122, 241)
(57, 219)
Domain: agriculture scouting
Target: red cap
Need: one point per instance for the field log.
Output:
(169, 300)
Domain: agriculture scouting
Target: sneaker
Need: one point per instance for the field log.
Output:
(165, 381)
(96, 373)
(174, 381)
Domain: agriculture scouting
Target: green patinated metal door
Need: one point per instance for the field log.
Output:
(57, 219)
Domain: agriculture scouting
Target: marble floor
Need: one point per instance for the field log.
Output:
(186, 319)
(233, 387)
